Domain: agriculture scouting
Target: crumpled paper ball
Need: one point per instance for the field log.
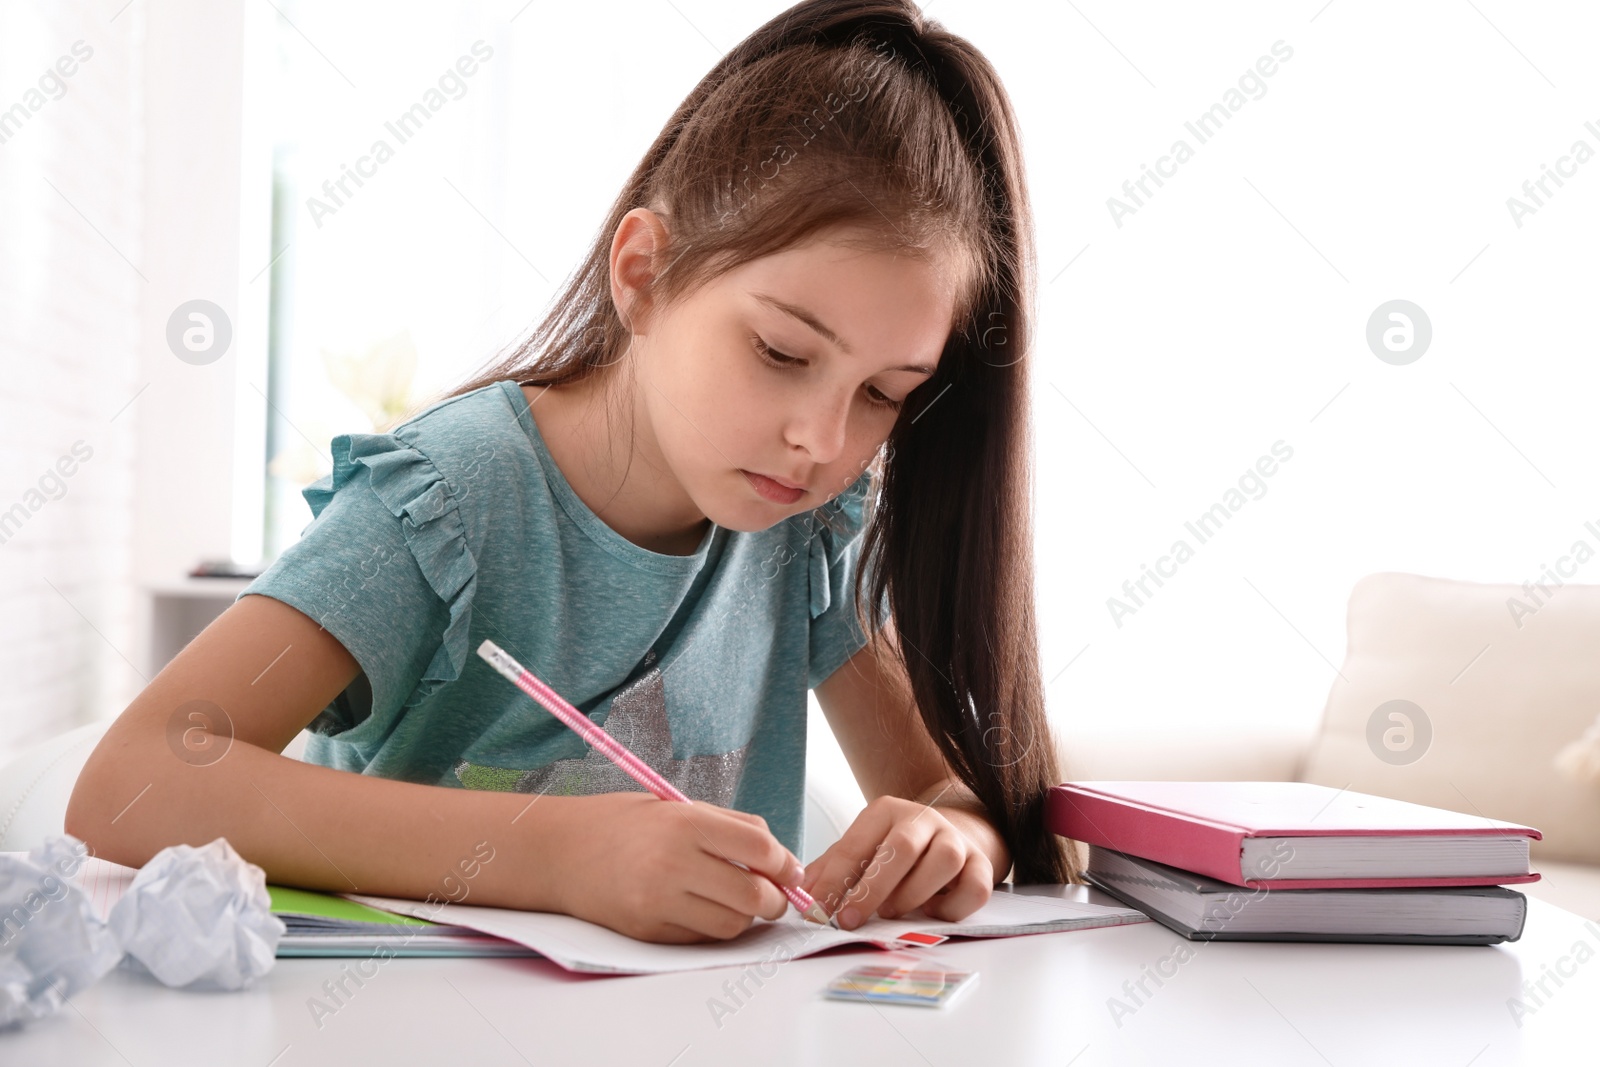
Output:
(199, 918)
(52, 945)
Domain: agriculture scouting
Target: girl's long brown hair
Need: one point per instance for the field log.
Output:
(867, 118)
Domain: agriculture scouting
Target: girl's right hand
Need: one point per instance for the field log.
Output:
(664, 870)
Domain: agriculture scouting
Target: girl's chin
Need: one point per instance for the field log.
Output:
(750, 515)
(751, 520)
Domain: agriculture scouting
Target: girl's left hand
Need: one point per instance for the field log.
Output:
(897, 855)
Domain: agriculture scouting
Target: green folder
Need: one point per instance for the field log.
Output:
(287, 900)
(325, 924)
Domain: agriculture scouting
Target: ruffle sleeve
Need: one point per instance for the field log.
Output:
(416, 493)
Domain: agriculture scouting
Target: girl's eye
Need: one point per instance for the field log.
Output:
(877, 398)
(773, 358)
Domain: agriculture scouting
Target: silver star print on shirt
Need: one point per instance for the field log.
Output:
(638, 719)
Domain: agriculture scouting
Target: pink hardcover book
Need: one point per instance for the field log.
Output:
(1291, 835)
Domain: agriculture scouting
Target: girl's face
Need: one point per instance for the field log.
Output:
(769, 389)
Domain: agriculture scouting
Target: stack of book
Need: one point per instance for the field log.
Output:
(1291, 861)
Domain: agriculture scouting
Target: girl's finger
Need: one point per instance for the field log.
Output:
(817, 870)
(819, 864)
(887, 869)
(830, 876)
(748, 842)
(944, 858)
(747, 892)
(969, 892)
(673, 934)
(854, 855)
(709, 917)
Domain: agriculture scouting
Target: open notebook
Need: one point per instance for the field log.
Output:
(353, 924)
(584, 946)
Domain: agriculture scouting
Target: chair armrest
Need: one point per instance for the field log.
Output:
(36, 785)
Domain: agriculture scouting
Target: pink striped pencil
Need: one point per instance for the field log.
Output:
(616, 752)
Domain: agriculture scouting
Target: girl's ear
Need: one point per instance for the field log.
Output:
(636, 249)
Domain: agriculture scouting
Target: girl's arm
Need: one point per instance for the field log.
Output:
(923, 838)
(654, 870)
(265, 670)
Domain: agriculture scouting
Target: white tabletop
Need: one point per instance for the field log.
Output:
(1040, 999)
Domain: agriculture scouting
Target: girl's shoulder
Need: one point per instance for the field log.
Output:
(476, 440)
(468, 425)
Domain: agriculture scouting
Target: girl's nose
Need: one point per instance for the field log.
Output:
(819, 425)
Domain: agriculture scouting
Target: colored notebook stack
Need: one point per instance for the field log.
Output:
(1291, 861)
(319, 924)
(322, 924)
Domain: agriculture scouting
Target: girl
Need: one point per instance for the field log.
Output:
(789, 381)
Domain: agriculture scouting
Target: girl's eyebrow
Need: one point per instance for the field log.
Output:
(816, 324)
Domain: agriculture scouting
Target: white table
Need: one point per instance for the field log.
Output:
(1042, 999)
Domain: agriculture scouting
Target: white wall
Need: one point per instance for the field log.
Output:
(118, 201)
(71, 252)
(192, 207)
(1229, 312)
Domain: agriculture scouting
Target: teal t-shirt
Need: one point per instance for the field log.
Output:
(458, 526)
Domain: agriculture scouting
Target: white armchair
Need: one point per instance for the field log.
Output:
(1498, 702)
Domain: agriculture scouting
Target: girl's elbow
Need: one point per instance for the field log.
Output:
(96, 799)
(83, 818)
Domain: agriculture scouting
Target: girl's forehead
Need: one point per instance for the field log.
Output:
(838, 269)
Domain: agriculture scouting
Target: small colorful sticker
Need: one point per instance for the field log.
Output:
(911, 939)
(933, 987)
(915, 937)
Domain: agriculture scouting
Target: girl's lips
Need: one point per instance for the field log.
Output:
(772, 490)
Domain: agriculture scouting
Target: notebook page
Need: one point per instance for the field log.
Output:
(579, 945)
(103, 882)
